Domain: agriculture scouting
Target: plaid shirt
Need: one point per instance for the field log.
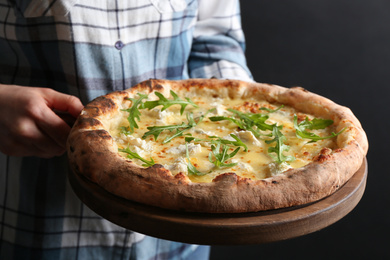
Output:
(88, 48)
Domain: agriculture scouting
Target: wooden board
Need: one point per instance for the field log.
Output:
(223, 229)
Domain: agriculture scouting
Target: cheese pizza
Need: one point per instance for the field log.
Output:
(216, 146)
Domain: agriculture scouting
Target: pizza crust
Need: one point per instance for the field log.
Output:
(93, 154)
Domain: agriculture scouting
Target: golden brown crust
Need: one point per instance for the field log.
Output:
(93, 153)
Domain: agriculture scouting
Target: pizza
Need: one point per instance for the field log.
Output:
(216, 146)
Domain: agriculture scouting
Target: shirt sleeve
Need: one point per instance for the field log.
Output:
(218, 43)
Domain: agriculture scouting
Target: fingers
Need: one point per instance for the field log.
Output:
(63, 102)
(52, 126)
(32, 127)
(24, 138)
(50, 122)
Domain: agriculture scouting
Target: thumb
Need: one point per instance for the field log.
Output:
(63, 102)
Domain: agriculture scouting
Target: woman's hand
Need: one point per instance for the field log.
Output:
(30, 124)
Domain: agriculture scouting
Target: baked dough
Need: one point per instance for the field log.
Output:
(93, 153)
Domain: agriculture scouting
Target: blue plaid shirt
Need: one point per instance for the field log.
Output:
(88, 48)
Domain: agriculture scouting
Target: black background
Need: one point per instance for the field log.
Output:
(339, 49)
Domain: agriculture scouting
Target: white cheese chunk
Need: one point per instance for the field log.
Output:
(246, 137)
(278, 168)
(219, 109)
(165, 117)
(206, 166)
(201, 131)
(181, 149)
(179, 165)
(243, 166)
(136, 142)
(162, 117)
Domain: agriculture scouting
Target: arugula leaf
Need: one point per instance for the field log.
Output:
(316, 123)
(157, 130)
(237, 141)
(179, 129)
(134, 155)
(221, 155)
(279, 147)
(271, 110)
(233, 120)
(241, 124)
(134, 112)
(219, 148)
(163, 101)
(217, 139)
(247, 121)
(190, 138)
(190, 167)
(253, 119)
(125, 130)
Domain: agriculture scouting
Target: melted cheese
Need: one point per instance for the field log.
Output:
(256, 163)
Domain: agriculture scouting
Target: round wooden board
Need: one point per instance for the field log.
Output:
(223, 229)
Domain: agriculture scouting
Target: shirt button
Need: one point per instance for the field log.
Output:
(119, 45)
